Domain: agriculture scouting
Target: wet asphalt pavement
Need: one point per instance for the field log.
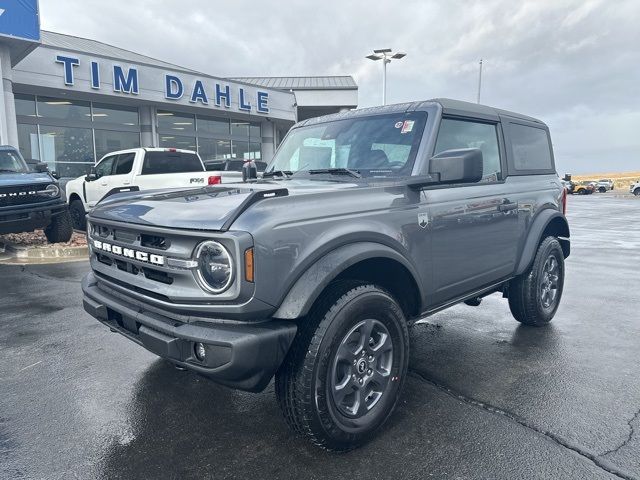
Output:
(486, 398)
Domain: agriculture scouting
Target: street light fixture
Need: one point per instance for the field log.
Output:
(385, 54)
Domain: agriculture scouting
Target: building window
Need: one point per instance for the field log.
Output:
(68, 151)
(213, 126)
(25, 105)
(178, 141)
(111, 141)
(214, 149)
(28, 141)
(64, 109)
(70, 135)
(175, 122)
(112, 115)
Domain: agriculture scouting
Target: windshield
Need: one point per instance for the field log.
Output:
(11, 162)
(375, 146)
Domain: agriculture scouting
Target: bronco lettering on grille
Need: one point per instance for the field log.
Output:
(129, 253)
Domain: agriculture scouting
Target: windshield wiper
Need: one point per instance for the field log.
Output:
(277, 173)
(337, 171)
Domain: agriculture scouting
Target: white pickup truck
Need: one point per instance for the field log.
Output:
(635, 188)
(138, 169)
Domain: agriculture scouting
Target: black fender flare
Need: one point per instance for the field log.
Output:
(306, 290)
(540, 223)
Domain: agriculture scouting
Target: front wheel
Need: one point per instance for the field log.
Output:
(60, 229)
(343, 376)
(78, 215)
(636, 192)
(535, 295)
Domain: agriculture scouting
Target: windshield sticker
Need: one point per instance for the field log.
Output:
(407, 126)
(398, 124)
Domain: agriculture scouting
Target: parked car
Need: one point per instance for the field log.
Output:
(584, 188)
(635, 188)
(137, 169)
(605, 185)
(364, 222)
(30, 198)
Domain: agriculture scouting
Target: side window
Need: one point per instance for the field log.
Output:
(454, 134)
(124, 163)
(531, 148)
(105, 166)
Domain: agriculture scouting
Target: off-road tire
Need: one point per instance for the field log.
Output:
(303, 383)
(78, 215)
(525, 292)
(60, 228)
(602, 190)
(636, 192)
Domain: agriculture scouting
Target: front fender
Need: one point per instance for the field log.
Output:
(306, 290)
(543, 220)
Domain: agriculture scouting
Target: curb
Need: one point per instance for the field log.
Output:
(48, 252)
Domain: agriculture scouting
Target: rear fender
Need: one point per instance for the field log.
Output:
(549, 220)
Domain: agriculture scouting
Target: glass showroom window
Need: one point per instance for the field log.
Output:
(111, 141)
(67, 150)
(173, 122)
(214, 149)
(246, 150)
(64, 109)
(213, 126)
(28, 140)
(178, 141)
(25, 105)
(115, 115)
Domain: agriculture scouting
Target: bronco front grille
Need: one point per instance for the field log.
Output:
(23, 195)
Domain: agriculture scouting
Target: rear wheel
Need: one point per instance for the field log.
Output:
(343, 375)
(636, 192)
(602, 190)
(535, 295)
(60, 229)
(78, 215)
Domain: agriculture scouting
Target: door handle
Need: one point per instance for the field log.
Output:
(507, 206)
(126, 182)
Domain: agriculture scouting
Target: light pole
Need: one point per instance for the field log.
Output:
(479, 81)
(385, 54)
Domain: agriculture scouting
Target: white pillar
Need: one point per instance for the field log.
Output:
(147, 126)
(8, 124)
(268, 141)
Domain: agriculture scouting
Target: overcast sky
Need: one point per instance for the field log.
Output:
(573, 64)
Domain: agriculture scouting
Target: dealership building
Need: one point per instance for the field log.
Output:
(67, 101)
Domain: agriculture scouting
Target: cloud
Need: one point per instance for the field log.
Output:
(572, 63)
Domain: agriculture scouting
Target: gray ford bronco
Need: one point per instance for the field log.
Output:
(362, 223)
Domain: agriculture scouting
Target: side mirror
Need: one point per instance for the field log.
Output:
(91, 176)
(463, 165)
(249, 171)
(40, 167)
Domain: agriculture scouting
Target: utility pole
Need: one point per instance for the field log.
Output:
(479, 81)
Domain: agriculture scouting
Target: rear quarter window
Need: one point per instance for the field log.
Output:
(170, 162)
(531, 149)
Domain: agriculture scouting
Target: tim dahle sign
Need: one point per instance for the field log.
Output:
(204, 92)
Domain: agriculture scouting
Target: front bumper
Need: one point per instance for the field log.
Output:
(26, 218)
(240, 355)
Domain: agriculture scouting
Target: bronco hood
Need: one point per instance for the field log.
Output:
(11, 179)
(207, 208)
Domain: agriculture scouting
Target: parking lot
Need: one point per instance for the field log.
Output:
(486, 397)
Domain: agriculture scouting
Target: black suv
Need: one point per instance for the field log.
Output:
(30, 198)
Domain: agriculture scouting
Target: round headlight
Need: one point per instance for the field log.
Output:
(215, 268)
(52, 190)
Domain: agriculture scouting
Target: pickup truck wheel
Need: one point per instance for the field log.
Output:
(78, 215)
(535, 296)
(636, 192)
(343, 375)
(602, 190)
(60, 229)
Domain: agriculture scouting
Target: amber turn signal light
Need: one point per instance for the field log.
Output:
(248, 265)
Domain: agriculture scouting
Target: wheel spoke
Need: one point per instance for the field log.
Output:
(383, 346)
(360, 405)
(365, 334)
(380, 379)
(343, 389)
